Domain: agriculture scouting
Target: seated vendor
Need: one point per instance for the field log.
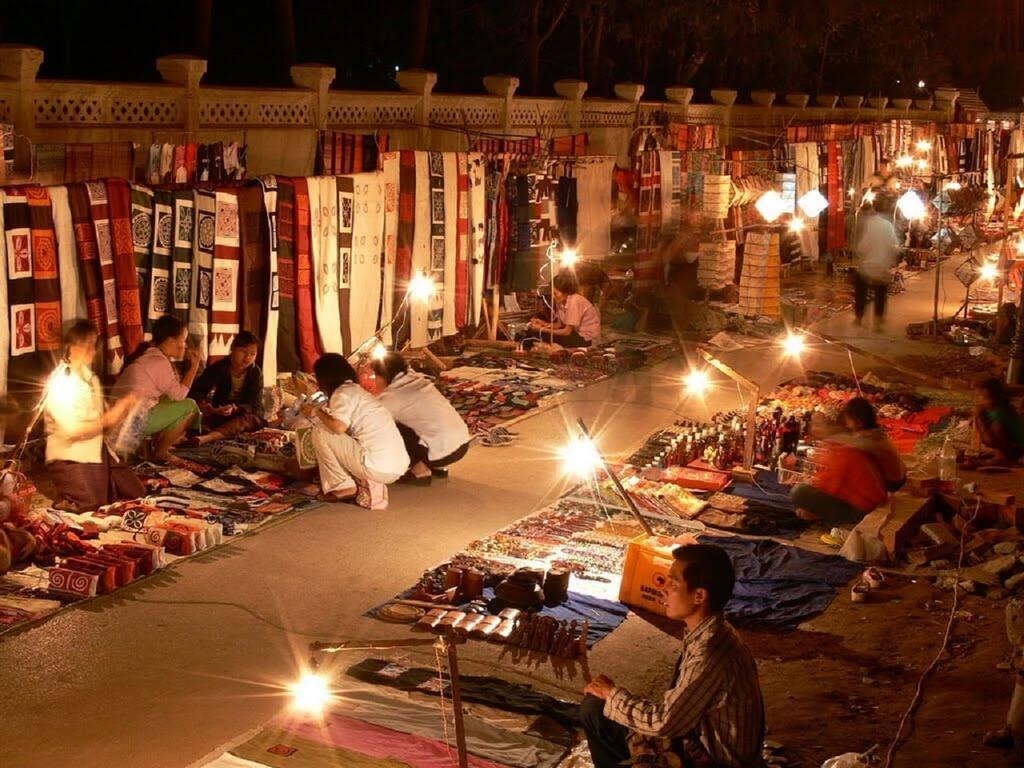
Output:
(230, 392)
(150, 376)
(435, 434)
(354, 436)
(856, 472)
(712, 713)
(864, 433)
(577, 322)
(998, 423)
(82, 468)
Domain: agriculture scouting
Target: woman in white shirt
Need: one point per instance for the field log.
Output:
(354, 435)
(434, 433)
(78, 461)
(577, 322)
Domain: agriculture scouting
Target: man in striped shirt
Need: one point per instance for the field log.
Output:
(712, 714)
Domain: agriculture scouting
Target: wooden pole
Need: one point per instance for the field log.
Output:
(495, 312)
(460, 726)
(618, 484)
(755, 390)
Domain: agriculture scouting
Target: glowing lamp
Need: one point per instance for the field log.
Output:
(812, 203)
(62, 387)
(568, 258)
(869, 197)
(911, 205)
(920, 83)
(1020, 247)
(851, 191)
(922, 165)
(953, 186)
(793, 345)
(924, 146)
(697, 382)
(379, 352)
(580, 457)
(796, 225)
(988, 272)
(904, 161)
(421, 288)
(311, 693)
(770, 205)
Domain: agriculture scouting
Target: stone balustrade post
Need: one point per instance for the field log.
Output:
(186, 71)
(572, 91)
(631, 92)
(504, 86)
(317, 78)
(421, 82)
(19, 65)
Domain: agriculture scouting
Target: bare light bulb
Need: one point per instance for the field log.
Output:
(311, 693)
(580, 457)
(797, 224)
(421, 287)
(379, 352)
(793, 345)
(697, 382)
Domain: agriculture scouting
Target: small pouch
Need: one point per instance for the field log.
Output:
(431, 618)
(486, 627)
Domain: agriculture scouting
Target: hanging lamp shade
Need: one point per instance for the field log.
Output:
(812, 203)
(910, 205)
(770, 205)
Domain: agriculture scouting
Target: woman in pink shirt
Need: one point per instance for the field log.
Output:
(150, 376)
(577, 322)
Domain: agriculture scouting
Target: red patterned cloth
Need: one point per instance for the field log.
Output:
(462, 246)
(310, 347)
(836, 198)
(226, 316)
(45, 277)
(342, 153)
(100, 213)
(88, 256)
(648, 230)
(288, 358)
(255, 279)
(405, 238)
(129, 309)
(573, 146)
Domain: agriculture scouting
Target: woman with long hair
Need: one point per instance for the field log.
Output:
(150, 376)
(230, 392)
(354, 435)
(83, 469)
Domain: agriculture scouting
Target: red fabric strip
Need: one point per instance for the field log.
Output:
(129, 310)
(310, 347)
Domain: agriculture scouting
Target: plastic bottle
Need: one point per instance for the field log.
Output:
(947, 461)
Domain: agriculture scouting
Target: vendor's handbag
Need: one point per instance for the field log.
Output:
(14, 485)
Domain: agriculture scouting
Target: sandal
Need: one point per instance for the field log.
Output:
(859, 593)
(410, 479)
(439, 472)
(874, 578)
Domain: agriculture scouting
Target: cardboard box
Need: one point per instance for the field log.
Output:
(645, 573)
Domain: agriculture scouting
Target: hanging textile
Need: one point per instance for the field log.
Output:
(570, 146)
(7, 147)
(225, 320)
(311, 344)
(20, 296)
(670, 166)
(184, 229)
(365, 277)
(405, 244)
(45, 277)
(497, 244)
(341, 153)
(593, 219)
(805, 159)
(422, 251)
(5, 316)
(99, 211)
(268, 185)
(836, 198)
(446, 279)
(527, 147)
(390, 163)
(254, 228)
(162, 264)
(288, 347)
(477, 233)
(346, 213)
(760, 277)
(462, 253)
(89, 264)
(72, 295)
(716, 265)
(323, 207)
(528, 199)
(567, 207)
(648, 229)
(129, 309)
(200, 313)
(143, 246)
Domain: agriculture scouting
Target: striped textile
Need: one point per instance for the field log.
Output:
(100, 214)
(461, 297)
(162, 264)
(477, 171)
(183, 254)
(288, 358)
(498, 217)
(255, 252)
(226, 313)
(344, 215)
(199, 316)
(72, 296)
(648, 230)
(341, 153)
(836, 198)
(446, 280)
(390, 163)
(366, 276)
(5, 316)
(670, 164)
(45, 274)
(432, 260)
(310, 344)
(405, 244)
(323, 207)
(129, 309)
(88, 258)
(570, 146)
(269, 187)
(20, 294)
(143, 246)
(712, 714)
(422, 256)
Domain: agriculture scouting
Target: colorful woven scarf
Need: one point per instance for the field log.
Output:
(202, 270)
(344, 217)
(364, 281)
(347, 153)
(438, 244)
(78, 162)
(648, 222)
(390, 163)
(142, 244)
(462, 244)
(161, 266)
(255, 278)
(836, 198)
(182, 253)
(99, 211)
(405, 237)
(287, 338)
(269, 186)
(72, 299)
(45, 275)
(573, 146)
(310, 346)
(20, 296)
(88, 257)
(477, 172)
(226, 317)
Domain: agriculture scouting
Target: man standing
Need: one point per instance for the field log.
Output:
(712, 715)
(876, 256)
